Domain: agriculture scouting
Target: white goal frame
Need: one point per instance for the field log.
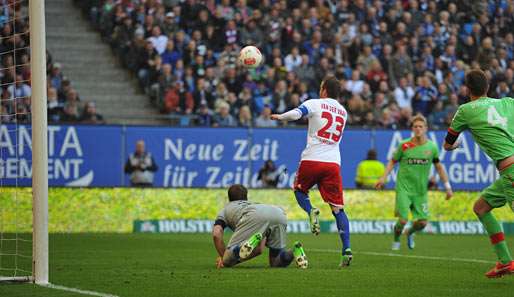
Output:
(39, 143)
(39, 147)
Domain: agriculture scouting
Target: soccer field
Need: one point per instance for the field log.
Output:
(148, 265)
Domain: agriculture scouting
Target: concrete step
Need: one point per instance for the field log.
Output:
(70, 35)
(56, 21)
(80, 48)
(102, 93)
(60, 18)
(83, 45)
(81, 54)
(118, 106)
(103, 84)
(119, 101)
(113, 96)
(81, 61)
(93, 70)
(124, 98)
(130, 114)
(59, 29)
(102, 81)
(103, 72)
(120, 111)
(122, 102)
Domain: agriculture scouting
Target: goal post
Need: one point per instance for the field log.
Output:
(24, 219)
(39, 142)
(23, 213)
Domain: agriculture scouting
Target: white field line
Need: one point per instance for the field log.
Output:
(78, 291)
(407, 256)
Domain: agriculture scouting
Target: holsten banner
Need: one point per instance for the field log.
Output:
(298, 226)
(210, 158)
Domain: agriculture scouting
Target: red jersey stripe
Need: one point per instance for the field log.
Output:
(453, 132)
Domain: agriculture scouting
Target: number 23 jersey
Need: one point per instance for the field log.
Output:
(327, 119)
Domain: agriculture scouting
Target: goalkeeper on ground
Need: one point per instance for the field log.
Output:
(255, 226)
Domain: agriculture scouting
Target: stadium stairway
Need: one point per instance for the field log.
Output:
(92, 68)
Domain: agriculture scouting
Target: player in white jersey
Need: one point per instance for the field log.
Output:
(321, 158)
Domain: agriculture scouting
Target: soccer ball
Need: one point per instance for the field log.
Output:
(250, 57)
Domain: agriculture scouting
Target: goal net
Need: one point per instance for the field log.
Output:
(23, 176)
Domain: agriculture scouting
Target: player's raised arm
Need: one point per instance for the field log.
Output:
(292, 115)
(382, 180)
(457, 125)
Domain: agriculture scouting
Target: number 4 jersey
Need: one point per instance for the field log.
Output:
(491, 122)
(327, 119)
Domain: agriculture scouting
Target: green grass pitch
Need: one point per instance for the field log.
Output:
(147, 265)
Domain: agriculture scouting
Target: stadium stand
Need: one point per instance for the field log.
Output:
(64, 104)
(394, 58)
(95, 72)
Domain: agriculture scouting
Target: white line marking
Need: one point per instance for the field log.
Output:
(78, 291)
(407, 256)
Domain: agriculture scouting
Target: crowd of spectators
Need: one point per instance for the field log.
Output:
(394, 58)
(64, 104)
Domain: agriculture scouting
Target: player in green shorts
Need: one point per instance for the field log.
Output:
(415, 157)
(491, 123)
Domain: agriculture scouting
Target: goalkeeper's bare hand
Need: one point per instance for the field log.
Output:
(219, 263)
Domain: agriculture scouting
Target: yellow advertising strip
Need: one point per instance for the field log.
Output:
(115, 210)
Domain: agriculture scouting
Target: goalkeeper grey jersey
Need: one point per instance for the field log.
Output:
(232, 213)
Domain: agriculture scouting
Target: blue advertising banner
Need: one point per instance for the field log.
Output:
(198, 157)
(214, 158)
(78, 156)
(194, 157)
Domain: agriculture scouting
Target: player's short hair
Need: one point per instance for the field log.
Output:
(418, 118)
(237, 192)
(332, 86)
(477, 83)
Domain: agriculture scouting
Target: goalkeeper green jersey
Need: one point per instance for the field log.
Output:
(414, 162)
(491, 122)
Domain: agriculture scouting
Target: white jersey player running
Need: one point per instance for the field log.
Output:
(320, 160)
(327, 119)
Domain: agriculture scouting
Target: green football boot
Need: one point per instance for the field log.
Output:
(346, 258)
(299, 255)
(248, 246)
